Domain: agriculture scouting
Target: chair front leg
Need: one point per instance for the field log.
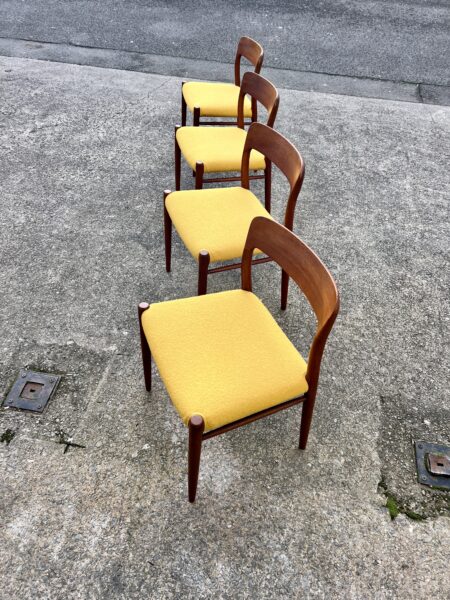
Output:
(167, 234)
(203, 264)
(196, 116)
(196, 428)
(268, 186)
(146, 354)
(199, 172)
(305, 425)
(177, 162)
(284, 289)
(183, 106)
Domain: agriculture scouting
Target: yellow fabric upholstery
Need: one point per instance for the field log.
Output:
(215, 99)
(216, 219)
(223, 356)
(218, 148)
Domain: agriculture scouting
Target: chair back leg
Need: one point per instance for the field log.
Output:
(268, 186)
(146, 354)
(284, 289)
(305, 425)
(177, 163)
(183, 106)
(167, 234)
(196, 428)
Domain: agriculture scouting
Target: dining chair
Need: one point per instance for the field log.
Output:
(213, 223)
(219, 149)
(214, 99)
(223, 358)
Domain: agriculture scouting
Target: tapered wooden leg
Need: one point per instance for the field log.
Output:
(196, 428)
(254, 110)
(284, 289)
(167, 233)
(203, 264)
(146, 354)
(183, 106)
(177, 162)
(199, 172)
(307, 413)
(196, 117)
(268, 185)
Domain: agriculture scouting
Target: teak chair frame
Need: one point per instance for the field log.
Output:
(277, 150)
(254, 53)
(261, 90)
(313, 278)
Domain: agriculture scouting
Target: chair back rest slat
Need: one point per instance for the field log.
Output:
(308, 272)
(279, 151)
(298, 261)
(250, 50)
(260, 90)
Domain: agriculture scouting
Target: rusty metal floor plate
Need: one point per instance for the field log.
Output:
(433, 465)
(31, 391)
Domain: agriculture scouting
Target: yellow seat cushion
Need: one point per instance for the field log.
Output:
(216, 220)
(223, 356)
(218, 148)
(215, 99)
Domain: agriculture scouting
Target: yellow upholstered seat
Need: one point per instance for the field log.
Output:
(223, 356)
(218, 148)
(215, 99)
(216, 220)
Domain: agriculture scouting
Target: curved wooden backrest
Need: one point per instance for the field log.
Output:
(260, 90)
(279, 151)
(252, 51)
(308, 272)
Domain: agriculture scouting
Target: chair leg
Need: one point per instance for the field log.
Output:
(199, 172)
(146, 354)
(196, 117)
(305, 425)
(196, 428)
(183, 106)
(203, 264)
(167, 233)
(284, 289)
(268, 186)
(177, 163)
(254, 110)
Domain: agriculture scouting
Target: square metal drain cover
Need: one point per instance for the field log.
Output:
(433, 464)
(32, 391)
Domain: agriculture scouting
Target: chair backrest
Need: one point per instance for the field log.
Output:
(260, 90)
(250, 50)
(308, 272)
(279, 151)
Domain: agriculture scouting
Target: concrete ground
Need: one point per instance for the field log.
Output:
(85, 155)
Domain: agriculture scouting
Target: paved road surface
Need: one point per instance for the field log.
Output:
(395, 40)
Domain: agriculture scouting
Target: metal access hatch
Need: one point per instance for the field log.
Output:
(433, 465)
(31, 391)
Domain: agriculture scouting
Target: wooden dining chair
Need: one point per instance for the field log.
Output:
(224, 359)
(219, 149)
(214, 99)
(213, 223)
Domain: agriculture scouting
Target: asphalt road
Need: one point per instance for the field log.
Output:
(403, 41)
